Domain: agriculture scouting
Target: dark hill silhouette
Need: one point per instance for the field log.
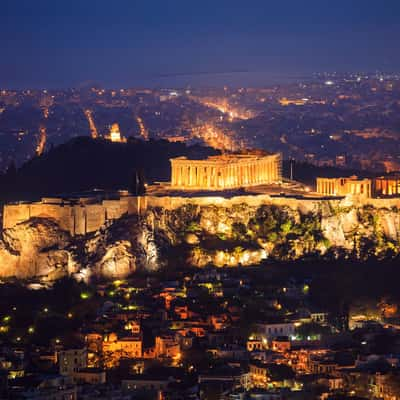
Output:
(84, 164)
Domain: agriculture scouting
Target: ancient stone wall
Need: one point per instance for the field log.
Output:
(174, 202)
(14, 214)
(58, 213)
(79, 221)
(303, 204)
(85, 218)
(95, 217)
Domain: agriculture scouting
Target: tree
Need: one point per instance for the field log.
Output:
(311, 329)
(280, 372)
(239, 230)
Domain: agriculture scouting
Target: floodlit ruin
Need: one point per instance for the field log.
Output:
(225, 172)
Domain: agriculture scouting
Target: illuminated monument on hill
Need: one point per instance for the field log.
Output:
(115, 134)
(231, 171)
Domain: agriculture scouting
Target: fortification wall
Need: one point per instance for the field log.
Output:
(173, 202)
(59, 213)
(79, 222)
(115, 209)
(86, 218)
(13, 214)
(303, 204)
(95, 217)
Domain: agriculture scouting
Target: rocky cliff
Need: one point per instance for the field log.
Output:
(240, 234)
(39, 248)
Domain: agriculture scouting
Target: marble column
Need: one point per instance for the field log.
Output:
(271, 171)
(181, 176)
(193, 176)
(173, 175)
(213, 177)
(186, 175)
(235, 175)
(190, 176)
(261, 172)
(197, 172)
(176, 176)
(274, 173)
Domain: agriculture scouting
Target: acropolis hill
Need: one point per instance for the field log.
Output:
(82, 215)
(113, 235)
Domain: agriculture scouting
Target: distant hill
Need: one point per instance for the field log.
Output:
(83, 164)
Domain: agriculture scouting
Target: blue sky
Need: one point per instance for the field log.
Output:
(121, 43)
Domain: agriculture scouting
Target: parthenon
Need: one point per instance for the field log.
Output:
(225, 171)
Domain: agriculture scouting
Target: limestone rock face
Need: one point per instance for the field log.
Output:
(191, 238)
(34, 248)
(221, 258)
(117, 262)
(240, 234)
(33, 235)
(246, 234)
(39, 248)
(8, 262)
(122, 248)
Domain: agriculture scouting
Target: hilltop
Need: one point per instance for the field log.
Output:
(84, 164)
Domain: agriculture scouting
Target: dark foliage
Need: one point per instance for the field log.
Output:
(84, 164)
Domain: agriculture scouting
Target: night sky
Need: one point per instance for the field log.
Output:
(122, 43)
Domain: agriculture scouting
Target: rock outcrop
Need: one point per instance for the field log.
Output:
(39, 248)
(240, 234)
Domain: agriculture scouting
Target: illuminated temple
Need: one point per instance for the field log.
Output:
(225, 171)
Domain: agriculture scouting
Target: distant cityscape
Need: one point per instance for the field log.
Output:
(342, 120)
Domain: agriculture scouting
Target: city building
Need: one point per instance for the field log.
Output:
(273, 330)
(167, 346)
(115, 348)
(90, 376)
(72, 360)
